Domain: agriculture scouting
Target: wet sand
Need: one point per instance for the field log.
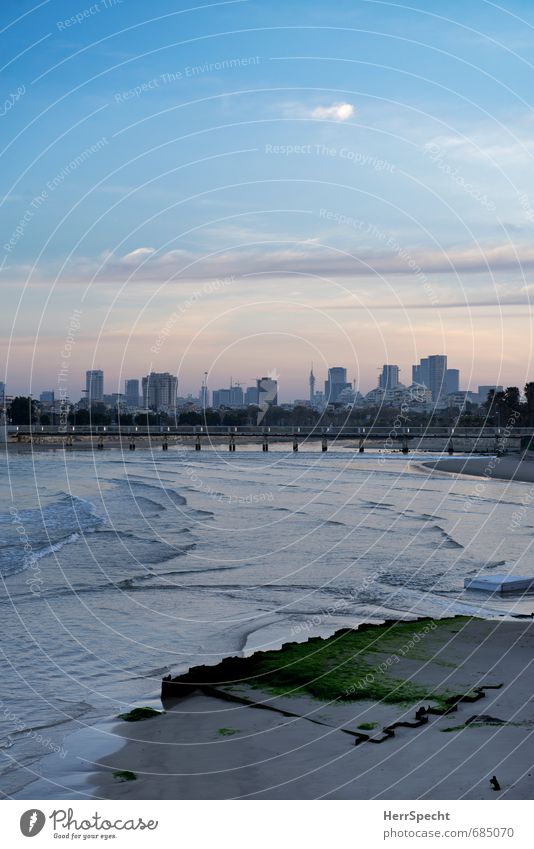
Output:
(514, 468)
(206, 747)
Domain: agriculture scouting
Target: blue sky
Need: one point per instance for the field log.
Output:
(265, 184)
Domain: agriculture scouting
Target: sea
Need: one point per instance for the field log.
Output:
(120, 567)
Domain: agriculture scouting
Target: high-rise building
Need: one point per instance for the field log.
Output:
(2, 392)
(311, 381)
(231, 397)
(389, 378)
(251, 396)
(47, 397)
(267, 388)
(420, 373)
(94, 385)
(159, 391)
(437, 370)
(336, 383)
(432, 373)
(452, 381)
(131, 391)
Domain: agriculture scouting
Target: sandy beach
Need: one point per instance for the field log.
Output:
(314, 720)
(510, 468)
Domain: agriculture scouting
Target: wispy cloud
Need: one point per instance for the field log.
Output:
(331, 112)
(274, 258)
(335, 112)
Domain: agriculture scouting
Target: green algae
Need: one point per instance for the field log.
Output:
(353, 664)
(138, 714)
(125, 775)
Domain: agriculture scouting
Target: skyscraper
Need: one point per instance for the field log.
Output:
(437, 370)
(267, 391)
(47, 397)
(312, 385)
(452, 381)
(420, 373)
(159, 391)
(251, 396)
(94, 385)
(389, 378)
(131, 390)
(336, 383)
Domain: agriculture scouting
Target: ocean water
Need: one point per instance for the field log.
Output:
(117, 568)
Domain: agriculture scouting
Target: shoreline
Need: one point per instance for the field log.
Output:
(277, 724)
(516, 468)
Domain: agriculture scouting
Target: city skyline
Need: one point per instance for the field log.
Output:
(438, 378)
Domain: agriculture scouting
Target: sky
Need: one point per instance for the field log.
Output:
(247, 187)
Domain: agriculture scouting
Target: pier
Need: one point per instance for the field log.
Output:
(473, 440)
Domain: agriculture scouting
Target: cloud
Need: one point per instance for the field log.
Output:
(277, 258)
(307, 257)
(336, 112)
(138, 255)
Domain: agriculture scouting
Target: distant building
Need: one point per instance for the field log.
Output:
(2, 392)
(484, 391)
(452, 381)
(420, 373)
(389, 378)
(437, 371)
(131, 392)
(231, 397)
(94, 385)
(251, 396)
(47, 397)
(458, 399)
(116, 399)
(335, 384)
(267, 389)
(204, 397)
(432, 373)
(311, 381)
(159, 391)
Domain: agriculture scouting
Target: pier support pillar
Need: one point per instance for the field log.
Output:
(100, 445)
(450, 448)
(361, 447)
(197, 444)
(324, 444)
(164, 444)
(132, 446)
(265, 446)
(295, 445)
(231, 444)
(405, 449)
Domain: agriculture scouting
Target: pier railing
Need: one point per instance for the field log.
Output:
(258, 432)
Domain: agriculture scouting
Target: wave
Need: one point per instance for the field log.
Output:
(31, 534)
(448, 540)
